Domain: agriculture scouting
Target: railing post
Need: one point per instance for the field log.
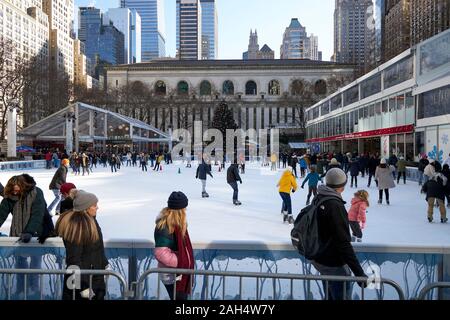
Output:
(132, 269)
(444, 276)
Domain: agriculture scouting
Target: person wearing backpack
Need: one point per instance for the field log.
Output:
(287, 184)
(333, 254)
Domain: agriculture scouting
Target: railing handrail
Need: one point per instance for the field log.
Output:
(232, 245)
(425, 290)
(243, 274)
(125, 292)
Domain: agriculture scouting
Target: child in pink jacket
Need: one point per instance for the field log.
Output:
(357, 214)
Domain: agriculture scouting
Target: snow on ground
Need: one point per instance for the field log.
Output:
(130, 201)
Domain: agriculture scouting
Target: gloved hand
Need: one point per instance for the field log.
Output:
(293, 190)
(87, 294)
(364, 283)
(303, 187)
(241, 181)
(25, 237)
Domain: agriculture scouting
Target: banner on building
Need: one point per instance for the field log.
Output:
(384, 146)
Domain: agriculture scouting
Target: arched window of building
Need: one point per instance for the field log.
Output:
(228, 88)
(183, 88)
(251, 88)
(160, 88)
(274, 88)
(205, 88)
(297, 87)
(320, 87)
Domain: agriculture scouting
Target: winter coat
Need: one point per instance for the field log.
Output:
(334, 233)
(88, 257)
(354, 168)
(401, 165)
(66, 205)
(303, 163)
(38, 209)
(203, 170)
(321, 165)
(446, 174)
(436, 187)
(429, 171)
(384, 177)
(423, 164)
(233, 174)
(287, 182)
(273, 158)
(393, 160)
(312, 178)
(59, 178)
(357, 211)
(373, 164)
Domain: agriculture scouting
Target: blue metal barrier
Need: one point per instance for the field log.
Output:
(22, 165)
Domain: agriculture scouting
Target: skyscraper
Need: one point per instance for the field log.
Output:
(397, 31)
(60, 17)
(209, 29)
(351, 31)
(129, 23)
(153, 38)
(104, 43)
(294, 41)
(313, 47)
(428, 18)
(254, 53)
(189, 30)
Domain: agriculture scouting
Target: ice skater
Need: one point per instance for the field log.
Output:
(357, 214)
(232, 179)
(287, 184)
(313, 179)
(203, 170)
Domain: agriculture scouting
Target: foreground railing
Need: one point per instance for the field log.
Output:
(411, 267)
(258, 276)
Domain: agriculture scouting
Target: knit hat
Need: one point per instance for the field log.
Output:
(334, 161)
(65, 162)
(84, 200)
(383, 161)
(66, 187)
(336, 178)
(177, 201)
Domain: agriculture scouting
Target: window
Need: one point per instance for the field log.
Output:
(320, 87)
(160, 88)
(274, 88)
(250, 88)
(351, 95)
(398, 73)
(434, 103)
(297, 87)
(336, 102)
(205, 88)
(228, 88)
(183, 88)
(371, 86)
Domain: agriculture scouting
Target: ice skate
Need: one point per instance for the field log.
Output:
(444, 220)
(353, 239)
(430, 220)
(204, 195)
(358, 240)
(285, 218)
(237, 203)
(290, 219)
(379, 201)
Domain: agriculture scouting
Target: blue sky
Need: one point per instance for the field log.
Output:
(237, 17)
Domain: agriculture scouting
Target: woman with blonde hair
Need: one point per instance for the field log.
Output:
(173, 248)
(83, 241)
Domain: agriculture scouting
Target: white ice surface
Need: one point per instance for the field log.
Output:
(130, 200)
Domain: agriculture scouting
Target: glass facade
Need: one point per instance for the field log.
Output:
(152, 26)
(434, 103)
(209, 29)
(188, 38)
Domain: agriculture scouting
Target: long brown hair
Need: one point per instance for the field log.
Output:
(77, 227)
(170, 219)
(20, 181)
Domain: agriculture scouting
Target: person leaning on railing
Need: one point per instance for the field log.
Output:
(83, 241)
(173, 248)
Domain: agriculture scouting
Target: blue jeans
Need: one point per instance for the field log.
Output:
(335, 288)
(27, 262)
(234, 185)
(287, 206)
(56, 202)
(420, 177)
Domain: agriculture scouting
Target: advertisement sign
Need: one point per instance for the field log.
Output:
(384, 147)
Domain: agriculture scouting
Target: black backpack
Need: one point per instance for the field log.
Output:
(305, 234)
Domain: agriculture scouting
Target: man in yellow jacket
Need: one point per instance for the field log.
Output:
(287, 184)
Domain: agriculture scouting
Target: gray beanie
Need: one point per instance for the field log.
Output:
(336, 178)
(84, 200)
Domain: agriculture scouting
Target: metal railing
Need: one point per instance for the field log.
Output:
(40, 273)
(428, 288)
(258, 276)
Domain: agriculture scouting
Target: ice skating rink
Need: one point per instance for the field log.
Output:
(130, 200)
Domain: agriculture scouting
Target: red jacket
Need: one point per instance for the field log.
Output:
(357, 211)
(48, 156)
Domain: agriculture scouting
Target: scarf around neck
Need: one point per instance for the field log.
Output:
(22, 212)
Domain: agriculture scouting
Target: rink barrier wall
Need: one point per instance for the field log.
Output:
(22, 165)
(412, 267)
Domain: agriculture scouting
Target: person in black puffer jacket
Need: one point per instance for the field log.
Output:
(435, 190)
(336, 256)
(83, 240)
(446, 173)
(202, 171)
(232, 179)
